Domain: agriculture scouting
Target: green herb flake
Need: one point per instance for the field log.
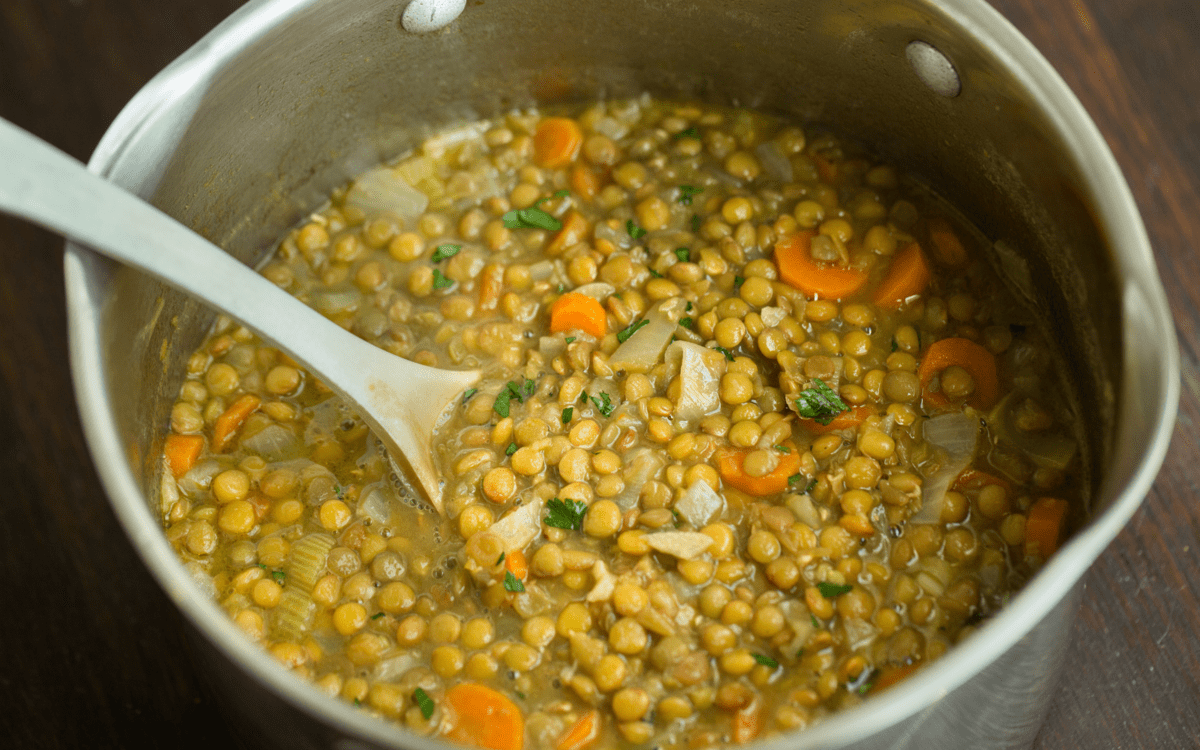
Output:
(738, 281)
(655, 274)
(440, 281)
(624, 335)
(279, 576)
(500, 559)
(566, 514)
(561, 288)
(895, 346)
(604, 404)
(811, 486)
(820, 403)
(467, 394)
(424, 702)
(678, 518)
(583, 397)
(766, 661)
(687, 192)
(511, 449)
(357, 702)
(512, 583)
(634, 230)
(567, 414)
(520, 695)
(865, 688)
(683, 253)
(340, 491)
(530, 218)
(813, 619)
(695, 222)
(793, 479)
(529, 388)
(501, 404)
(685, 322)
(783, 449)
(562, 193)
(832, 590)
(728, 354)
(689, 133)
(445, 251)
(377, 615)
(570, 339)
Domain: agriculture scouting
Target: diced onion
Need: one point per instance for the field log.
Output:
(774, 161)
(957, 434)
(700, 371)
(644, 349)
(274, 443)
(700, 505)
(383, 190)
(642, 466)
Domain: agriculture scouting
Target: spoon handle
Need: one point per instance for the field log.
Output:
(401, 400)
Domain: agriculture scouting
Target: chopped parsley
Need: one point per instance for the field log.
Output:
(678, 518)
(561, 288)
(689, 133)
(511, 390)
(683, 253)
(766, 661)
(520, 695)
(440, 281)
(624, 335)
(685, 322)
(811, 486)
(278, 576)
(783, 449)
(570, 339)
(500, 559)
(738, 281)
(655, 274)
(424, 702)
(445, 251)
(530, 218)
(695, 222)
(583, 397)
(604, 404)
(511, 449)
(566, 514)
(728, 354)
(501, 404)
(512, 583)
(634, 230)
(357, 702)
(895, 346)
(377, 615)
(813, 618)
(687, 192)
(820, 403)
(833, 590)
(567, 413)
(794, 478)
(469, 393)
(862, 683)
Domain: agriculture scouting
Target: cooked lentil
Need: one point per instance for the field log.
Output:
(722, 564)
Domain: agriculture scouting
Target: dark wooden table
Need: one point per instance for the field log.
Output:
(91, 654)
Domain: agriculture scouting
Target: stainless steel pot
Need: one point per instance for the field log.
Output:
(249, 129)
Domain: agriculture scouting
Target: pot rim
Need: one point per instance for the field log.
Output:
(145, 122)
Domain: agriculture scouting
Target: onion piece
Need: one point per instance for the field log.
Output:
(700, 504)
(700, 371)
(377, 504)
(199, 478)
(274, 443)
(520, 527)
(597, 290)
(776, 164)
(383, 190)
(644, 349)
(957, 435)
(644, 463)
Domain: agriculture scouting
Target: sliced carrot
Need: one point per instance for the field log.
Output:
(731, 465)
(574, 310)
(947, 247)
(793, 254)
(826, 169)
(556, 142)
(892, 675)
(582, 734)
(974, 479)
(182, 451)
(908, 276)
(968, 355)
(1044, 526)
(572, 233)
(482, 717)
(847, 419)
(231, 421)
(748, 722)
(515, 563)
(585, 181)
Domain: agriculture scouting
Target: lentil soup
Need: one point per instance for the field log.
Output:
(760, 434)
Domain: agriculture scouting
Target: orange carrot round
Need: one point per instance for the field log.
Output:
(892, 675)
(947, 247)
(748, 722)
(582, 734)
(793, 254)
(574, 310)
(482, 717)
(515, 563)
(556, 142)
(731, 465)
(974, 479)
(573, 230)
(968, 355)
(1044, 526)
(181, 452)
(908, 276)
(847, 419)
(585, 181)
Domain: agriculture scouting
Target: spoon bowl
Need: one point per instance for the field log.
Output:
(401, 401)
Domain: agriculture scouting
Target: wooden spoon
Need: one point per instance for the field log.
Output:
(401, 401)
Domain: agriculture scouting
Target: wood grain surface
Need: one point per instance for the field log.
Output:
(91, 654)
